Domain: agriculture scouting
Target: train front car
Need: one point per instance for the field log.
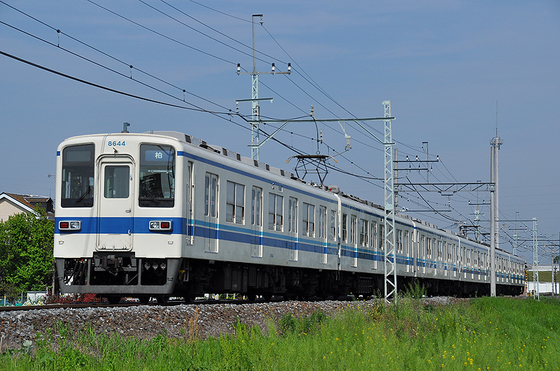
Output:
(118, 217)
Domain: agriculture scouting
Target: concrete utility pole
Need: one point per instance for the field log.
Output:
(495, 143)
(255, 93)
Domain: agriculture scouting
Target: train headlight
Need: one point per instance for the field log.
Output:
(70, 225)
(160, 225)
(154, 265)
(162, 266)
(147, 266)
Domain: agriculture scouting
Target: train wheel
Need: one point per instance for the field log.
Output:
(162, 299)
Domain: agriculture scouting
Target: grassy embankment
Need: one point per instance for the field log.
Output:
(479, 334)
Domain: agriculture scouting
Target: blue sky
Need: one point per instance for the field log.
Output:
(452, 70)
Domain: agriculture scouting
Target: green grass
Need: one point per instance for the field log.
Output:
(483, 333)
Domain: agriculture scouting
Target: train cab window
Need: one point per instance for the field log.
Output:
(275, 211)
(235, 202)
(157, 176)
(77, 176)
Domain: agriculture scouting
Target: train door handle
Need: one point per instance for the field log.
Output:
(127, 210)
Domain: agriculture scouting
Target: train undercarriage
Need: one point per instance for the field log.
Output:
(115, 275)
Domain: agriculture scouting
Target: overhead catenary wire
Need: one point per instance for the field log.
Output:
(351, 162)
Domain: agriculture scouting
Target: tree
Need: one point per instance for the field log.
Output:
(26, 252)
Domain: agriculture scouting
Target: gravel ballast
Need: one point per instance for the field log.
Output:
(148, 321)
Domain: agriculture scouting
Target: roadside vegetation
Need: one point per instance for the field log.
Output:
(477, 334)
(26, 254)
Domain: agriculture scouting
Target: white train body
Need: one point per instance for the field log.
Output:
(164, 214)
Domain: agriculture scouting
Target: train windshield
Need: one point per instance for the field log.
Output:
(77, 176)
(157, 175)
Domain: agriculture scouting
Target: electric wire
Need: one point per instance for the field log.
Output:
(308, 80)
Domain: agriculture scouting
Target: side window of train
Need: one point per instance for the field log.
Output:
(275, 211)
(256, 206)
(332, 222)
(345, 227)
(235, 202)
(292, 214)
(211, 195)
(308, 220)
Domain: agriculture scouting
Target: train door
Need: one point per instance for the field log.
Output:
(292, 228)
(115, 211)
(323, 233)
(189, 193)
(256, 222)
(211, 226)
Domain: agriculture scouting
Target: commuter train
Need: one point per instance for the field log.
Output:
(163, 214)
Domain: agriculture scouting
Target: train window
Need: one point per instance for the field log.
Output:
(235, 202)
(292, 215)
(157, 175)
(77, 176)
(256, 206)
(308, 219)
(116, 181)
(210, 195)
(364, 232)
(332, 222)
(345, 227)
(322, 222)
(275, 211)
